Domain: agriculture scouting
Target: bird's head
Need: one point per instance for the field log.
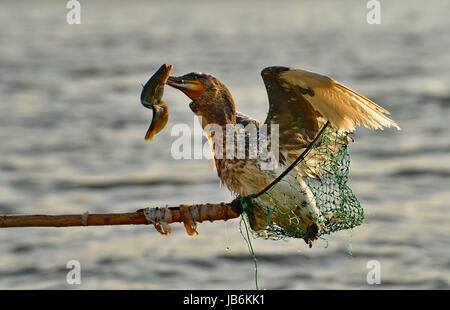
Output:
(210, 97)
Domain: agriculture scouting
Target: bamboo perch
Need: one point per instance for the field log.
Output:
(160, 217)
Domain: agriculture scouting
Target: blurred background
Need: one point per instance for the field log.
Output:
(72, 139)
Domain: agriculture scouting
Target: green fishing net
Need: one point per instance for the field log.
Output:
(334, 206)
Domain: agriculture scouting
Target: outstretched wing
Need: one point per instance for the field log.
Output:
(301, 102)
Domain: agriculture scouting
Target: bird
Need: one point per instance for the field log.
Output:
(301, 103)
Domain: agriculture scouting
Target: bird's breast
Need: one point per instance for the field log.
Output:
(243, 176)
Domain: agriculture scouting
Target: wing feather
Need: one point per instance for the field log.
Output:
(342, 106)
(301, 102)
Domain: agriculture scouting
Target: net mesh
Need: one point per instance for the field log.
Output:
(315, 204)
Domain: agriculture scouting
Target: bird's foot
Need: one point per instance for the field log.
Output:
(312, 233)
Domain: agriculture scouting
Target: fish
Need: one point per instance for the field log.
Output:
(151, 98)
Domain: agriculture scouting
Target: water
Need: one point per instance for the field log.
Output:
(72, 132)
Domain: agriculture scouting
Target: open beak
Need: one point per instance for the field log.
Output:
(192, 88)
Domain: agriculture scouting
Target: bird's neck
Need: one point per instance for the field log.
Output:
(221, 113)
(218, 119)
(219, 133)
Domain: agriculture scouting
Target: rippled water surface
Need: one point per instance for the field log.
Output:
(72, 139)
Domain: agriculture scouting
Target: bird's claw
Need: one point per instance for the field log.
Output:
(312, 233)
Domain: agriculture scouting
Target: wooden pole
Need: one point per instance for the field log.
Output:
(188, 214)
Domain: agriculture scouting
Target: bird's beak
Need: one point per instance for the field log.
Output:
(192, 88)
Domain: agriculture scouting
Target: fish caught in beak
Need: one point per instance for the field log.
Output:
(190, 86)
(159, 120)
(151, 98)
